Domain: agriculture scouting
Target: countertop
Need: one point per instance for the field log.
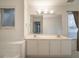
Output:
(46, 37)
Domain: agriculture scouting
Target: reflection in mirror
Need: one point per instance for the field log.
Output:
(36, 27)
(46, 24)
(36, 24)
(52, 24)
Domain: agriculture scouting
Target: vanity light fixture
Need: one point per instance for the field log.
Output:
(39, 11)
(45, 11)
(51, 12)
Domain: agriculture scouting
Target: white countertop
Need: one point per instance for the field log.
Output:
(46, 37)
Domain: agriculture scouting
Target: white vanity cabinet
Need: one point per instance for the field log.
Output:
(55, 48)
(43, 48)
(48, 47)
(60, 48)
(31, 48)
(66, 49)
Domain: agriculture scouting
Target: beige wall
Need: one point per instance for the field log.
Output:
(26, 19)
(16, 34)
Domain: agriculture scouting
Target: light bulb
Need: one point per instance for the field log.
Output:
(45, 11)
(51, 12)
(39, 11)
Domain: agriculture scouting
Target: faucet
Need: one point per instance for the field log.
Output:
(58, 35)
(34, 35)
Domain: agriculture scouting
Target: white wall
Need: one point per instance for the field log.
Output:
(14, 34)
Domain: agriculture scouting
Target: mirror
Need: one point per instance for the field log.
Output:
(46, 24)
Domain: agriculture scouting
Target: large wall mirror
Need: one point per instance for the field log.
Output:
(46, 24)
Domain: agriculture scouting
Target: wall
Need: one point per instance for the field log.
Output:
(26, 19)
(15, 34)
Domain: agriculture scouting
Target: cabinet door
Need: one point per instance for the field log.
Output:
(66, 47)
(55, 48)
(43, 48)
(31, 47)
(74, 45)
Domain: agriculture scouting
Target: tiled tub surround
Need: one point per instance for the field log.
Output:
(48, 46)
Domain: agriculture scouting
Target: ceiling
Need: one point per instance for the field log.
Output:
(48, 2)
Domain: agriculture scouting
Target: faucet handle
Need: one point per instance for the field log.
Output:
(34, 35)
(58, 35)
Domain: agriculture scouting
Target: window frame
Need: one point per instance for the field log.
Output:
(2, 20)
(69, 12)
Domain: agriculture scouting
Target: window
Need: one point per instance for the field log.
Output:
(72, 29)
(36, 28)
(7, 17)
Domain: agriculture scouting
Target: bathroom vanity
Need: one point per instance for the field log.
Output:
(45, 38)
(48, 46)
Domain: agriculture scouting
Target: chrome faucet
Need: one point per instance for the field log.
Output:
(34, 35)
(58, 35)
